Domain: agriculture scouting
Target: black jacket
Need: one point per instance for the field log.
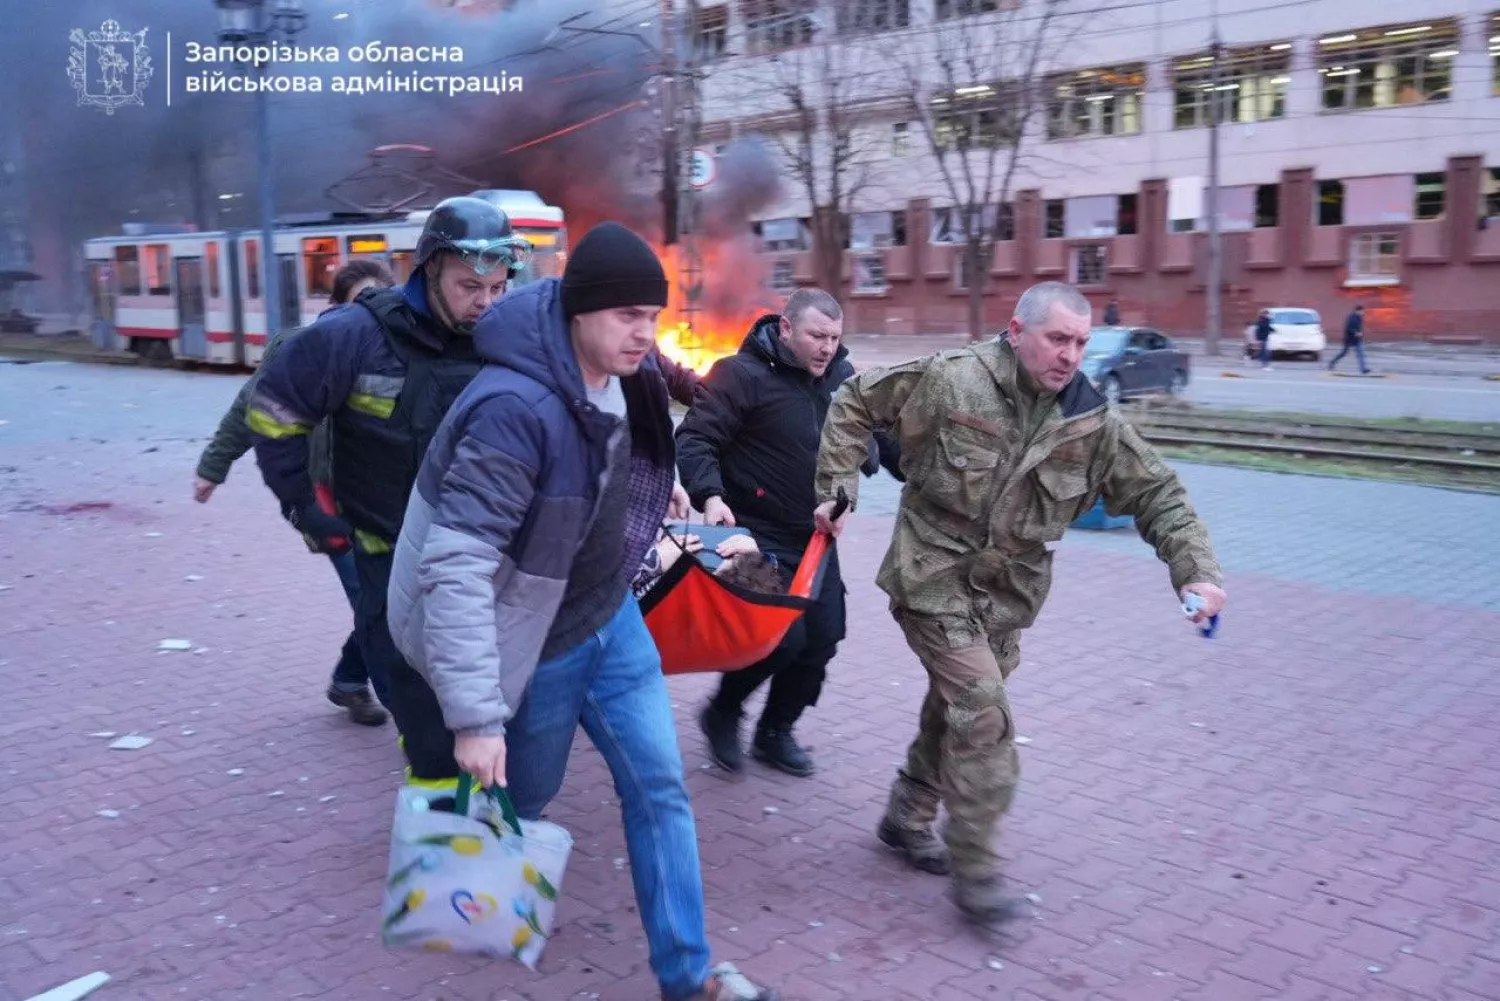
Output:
(1354, 326)
(383, 371)
(682, 382)
(752, 437)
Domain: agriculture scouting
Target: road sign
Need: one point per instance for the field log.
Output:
(704, 170)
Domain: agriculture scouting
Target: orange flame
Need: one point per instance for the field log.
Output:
(698, 348)
(723, 317)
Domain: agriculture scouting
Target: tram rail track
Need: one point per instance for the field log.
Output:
(1441, 457)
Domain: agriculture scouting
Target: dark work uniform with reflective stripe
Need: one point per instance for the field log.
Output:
(385, 372)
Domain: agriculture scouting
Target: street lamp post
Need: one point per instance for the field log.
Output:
(247, 22)
(1215, 237)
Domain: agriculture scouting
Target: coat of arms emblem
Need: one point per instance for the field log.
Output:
(109, 67)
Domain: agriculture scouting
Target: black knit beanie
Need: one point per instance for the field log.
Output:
(612, 267)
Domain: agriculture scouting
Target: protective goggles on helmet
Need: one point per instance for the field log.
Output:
(485, 256)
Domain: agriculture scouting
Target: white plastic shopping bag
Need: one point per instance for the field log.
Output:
(477, 879)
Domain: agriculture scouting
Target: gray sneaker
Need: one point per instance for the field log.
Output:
(725, 983)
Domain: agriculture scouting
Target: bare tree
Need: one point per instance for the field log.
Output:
(976, 85)
(818, 136)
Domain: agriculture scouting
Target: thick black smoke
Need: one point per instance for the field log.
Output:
(85, 173)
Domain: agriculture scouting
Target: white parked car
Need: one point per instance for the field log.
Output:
(1294, 331)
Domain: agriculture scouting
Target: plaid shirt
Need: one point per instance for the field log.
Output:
(653, 466)
(649, 494)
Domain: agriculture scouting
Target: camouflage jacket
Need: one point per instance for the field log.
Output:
(996, 468)
(234, 437)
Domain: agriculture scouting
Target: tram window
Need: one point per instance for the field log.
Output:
(128, 267)
(320, 255)
(157, 267)
(370, 244)
(213, 269)
(252, 268)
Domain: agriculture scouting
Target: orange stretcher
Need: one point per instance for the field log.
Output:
(702, 623)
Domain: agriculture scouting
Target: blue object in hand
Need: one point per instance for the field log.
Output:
(710, 536)
(1191, 606)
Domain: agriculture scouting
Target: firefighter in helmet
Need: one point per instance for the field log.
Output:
(384, 370)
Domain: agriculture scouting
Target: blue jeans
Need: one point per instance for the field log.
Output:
(350, 673)
(1359, 352)
(348, 573)
(612, 683)
(1265, 351)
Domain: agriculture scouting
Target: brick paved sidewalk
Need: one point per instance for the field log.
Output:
(1305, 808)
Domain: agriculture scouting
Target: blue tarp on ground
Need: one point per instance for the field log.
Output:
(1095, 518)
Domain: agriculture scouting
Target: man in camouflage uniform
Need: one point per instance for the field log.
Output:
(1003, 444)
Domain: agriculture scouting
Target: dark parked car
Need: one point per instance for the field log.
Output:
(1134, 361)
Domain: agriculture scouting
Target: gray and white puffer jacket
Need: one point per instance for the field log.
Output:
(505, 497)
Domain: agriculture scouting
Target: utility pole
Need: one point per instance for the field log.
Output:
(198, 179)
(251, 23)
(671, 153)
(15, 243)
(270, 286)
(1215, 241)
(690, 253)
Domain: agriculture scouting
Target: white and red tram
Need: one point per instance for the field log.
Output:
(198, 296)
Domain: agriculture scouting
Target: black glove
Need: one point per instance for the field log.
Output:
(325, 533)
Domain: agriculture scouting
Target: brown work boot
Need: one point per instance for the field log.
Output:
(907, 826)
(985, 901)
(725, 983)
(920, 846)
(363, 709)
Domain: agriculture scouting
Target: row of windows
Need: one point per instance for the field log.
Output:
(1362, 201)
(1373, 259)
(1087, 265)
(1384, 66)
(1372, 68)
(146, 270)
(776, 25)
(1365, 68)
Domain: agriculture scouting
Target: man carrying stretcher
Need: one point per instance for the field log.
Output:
(510, 594)
(1002, 445)
(747, 451)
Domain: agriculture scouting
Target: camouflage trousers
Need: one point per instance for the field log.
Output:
(965, 751)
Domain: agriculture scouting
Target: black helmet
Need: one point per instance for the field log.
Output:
(474, 230)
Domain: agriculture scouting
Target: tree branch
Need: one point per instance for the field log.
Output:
(979, 141)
